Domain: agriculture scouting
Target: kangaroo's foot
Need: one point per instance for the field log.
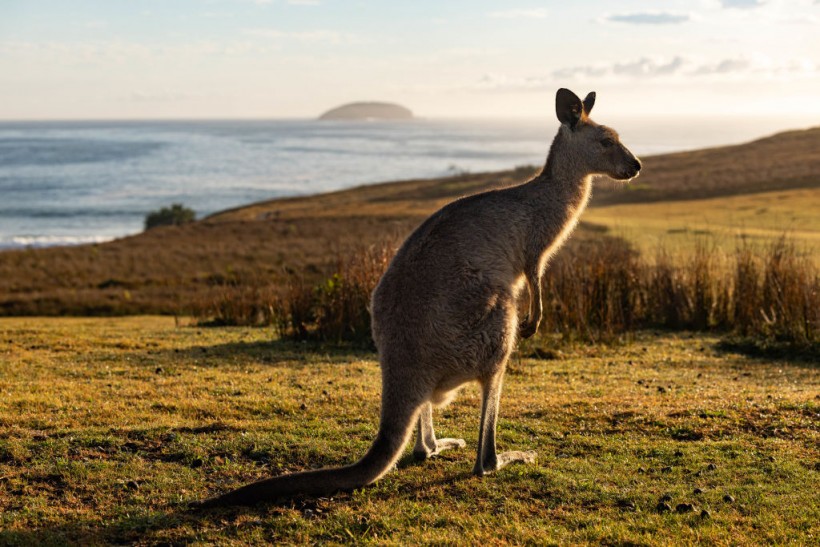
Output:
(424, 452)
(497, 461)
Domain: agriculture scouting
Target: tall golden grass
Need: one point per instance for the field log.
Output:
(596, 291)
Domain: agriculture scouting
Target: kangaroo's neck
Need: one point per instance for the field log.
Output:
(559, 195)
(565, 180)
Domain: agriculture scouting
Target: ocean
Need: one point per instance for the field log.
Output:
(65, 183)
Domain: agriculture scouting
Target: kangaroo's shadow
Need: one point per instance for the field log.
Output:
(179, 523)
(126, 529)
(807, 356)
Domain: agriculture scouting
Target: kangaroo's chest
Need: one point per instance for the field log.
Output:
(559, 223)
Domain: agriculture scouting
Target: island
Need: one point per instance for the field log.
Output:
(368, 111)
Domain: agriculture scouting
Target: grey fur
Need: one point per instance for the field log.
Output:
(445, 311)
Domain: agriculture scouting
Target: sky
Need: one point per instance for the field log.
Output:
(182, 59)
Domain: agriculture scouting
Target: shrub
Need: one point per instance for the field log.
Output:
(594, 290)
(334, 311)
(176, 215)
(337, 310)
(237, 299)
(789, 296)
(591, 289)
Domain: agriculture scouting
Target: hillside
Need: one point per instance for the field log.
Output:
(166, 268)
(782, 161)
(368, 111)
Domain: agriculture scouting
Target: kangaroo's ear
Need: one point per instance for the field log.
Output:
(589, 102)
(568, 107)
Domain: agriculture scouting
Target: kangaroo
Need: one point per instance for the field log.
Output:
(445, 312)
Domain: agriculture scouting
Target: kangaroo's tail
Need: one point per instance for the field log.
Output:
(394, 432)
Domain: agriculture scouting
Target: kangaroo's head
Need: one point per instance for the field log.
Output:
(594, 148)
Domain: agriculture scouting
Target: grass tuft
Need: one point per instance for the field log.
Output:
(598, 290)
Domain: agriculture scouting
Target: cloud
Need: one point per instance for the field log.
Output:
(741, 4)
(726, 66)
(648, 67)
(757, 67)
(532, 13)
(304, 36)
(291, 2)
(587, 71)
(648, 18)
(800, 19)
(109, 53)
(501, 82)
(677, 68)
(639, 68)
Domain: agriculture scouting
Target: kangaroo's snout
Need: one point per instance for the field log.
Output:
(631, 170)
(636, 168)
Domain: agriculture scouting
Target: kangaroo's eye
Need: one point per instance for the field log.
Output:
(606, 143)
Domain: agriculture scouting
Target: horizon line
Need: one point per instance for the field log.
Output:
(518, 117)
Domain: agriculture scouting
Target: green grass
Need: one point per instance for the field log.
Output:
(720, 223)
(108, 428)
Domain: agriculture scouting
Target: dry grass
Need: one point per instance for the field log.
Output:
(720, 223)
(109, 426)
(165, 269)
(596, 290)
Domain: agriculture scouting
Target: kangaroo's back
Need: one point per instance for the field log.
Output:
(450, 264)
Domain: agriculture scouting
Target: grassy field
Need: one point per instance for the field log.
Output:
(109, 426)
(722, 223)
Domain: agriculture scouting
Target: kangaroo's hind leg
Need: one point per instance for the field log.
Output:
(488, 459)
(426, 443)
(499, 330)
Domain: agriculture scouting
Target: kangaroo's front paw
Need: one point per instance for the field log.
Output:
(527, 329)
